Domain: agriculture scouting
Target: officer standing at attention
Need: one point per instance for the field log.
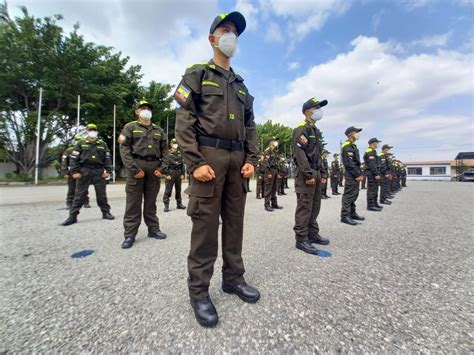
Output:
(216, 131)
(66, 171)
(260, 172)
(271, 162)
(335, 173)
(372, 171)
(283, 174)
(176, 171)
(307, 155)
(143, 146)
(353, 176)
(91, 163)
(385, 174)
(324, 186)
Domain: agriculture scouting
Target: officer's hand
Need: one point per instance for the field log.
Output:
(105, 175)
(168, 177)
(278, 176)
(260, 178)
(359, 178)
(139, 175)
(269, 176)
(157, 173)
(204, 173)
(247, 170)
(311, 182)
(66, 176)
(182, 177)
(377, 177)
(76, 176)
(387, 176)
(323, 180)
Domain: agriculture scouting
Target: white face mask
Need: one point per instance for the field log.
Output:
(145, 115)
(92, 134)
(227, 44)
(275, 144)
(317, 114)
(174, 146)
(357, 135)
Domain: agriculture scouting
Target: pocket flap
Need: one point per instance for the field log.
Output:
(201, 189)
(211, 90)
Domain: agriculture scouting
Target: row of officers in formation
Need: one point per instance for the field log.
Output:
(216, 136)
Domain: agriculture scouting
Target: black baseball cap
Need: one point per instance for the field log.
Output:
(144, 103)
(351, 129)
(386, 146)
(313, 102)
(235, 17)
(373, 140)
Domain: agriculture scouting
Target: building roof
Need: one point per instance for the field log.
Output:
(434, 162)
(464, 155)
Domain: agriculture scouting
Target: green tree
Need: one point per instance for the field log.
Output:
(281, 132)
(36, 54)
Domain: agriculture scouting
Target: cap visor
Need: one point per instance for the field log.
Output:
(238, 20)
(150, 106)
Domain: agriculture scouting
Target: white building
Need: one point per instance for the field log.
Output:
(429, 170)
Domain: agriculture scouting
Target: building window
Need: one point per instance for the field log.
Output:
(437, 170)
(415, 171)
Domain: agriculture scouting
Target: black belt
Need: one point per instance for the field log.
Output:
(93, 166)
(147, 158)
(220, 143)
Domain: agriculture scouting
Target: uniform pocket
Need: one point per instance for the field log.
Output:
(201, 189)
(131, 185)
(211, 90)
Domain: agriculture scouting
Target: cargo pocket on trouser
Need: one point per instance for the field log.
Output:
(198, 193)
(131, 186)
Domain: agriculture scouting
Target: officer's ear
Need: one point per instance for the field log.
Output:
(137, 111)
(213, 40)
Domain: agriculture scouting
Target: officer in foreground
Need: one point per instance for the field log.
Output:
(353, 177)
(309, 175)
(216, 131)
(143, 146)
(91, 163)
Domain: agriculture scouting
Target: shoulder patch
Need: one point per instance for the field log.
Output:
(182, 93)
(301, 141)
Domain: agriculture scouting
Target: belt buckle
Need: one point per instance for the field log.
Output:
(218, 141)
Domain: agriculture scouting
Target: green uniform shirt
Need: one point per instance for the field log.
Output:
(90, 153)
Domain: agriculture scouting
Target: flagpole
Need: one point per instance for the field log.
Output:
(78, 112)
(38, 127)
(113, 145)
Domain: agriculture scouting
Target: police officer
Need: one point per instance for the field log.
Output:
(143, 146)
(353, 176)
(66, 171)
(176, 171)
(364, 181)
(309, 175)
(335, 173)
(404, 175)
(324, 186)
(271, 162)
(90, 163)
(373, 174)
(216, 131)
(260, 177)
(283, 174)
(384, 161)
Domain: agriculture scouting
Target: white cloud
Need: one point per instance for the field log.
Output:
(250, 13)
(293, 65)
(433, 41)
(411, 5)
(273, 33)
(306, 16)
(372, 87)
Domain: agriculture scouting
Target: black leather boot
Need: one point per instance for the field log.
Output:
(205, 312)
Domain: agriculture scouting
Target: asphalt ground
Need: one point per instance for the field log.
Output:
(400, 282)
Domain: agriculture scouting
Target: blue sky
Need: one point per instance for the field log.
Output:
(402, 70)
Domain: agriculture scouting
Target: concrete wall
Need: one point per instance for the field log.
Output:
(6, 168)
(426, 172)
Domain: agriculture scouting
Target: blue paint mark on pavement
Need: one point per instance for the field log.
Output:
(323, 253)
(82, 254)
